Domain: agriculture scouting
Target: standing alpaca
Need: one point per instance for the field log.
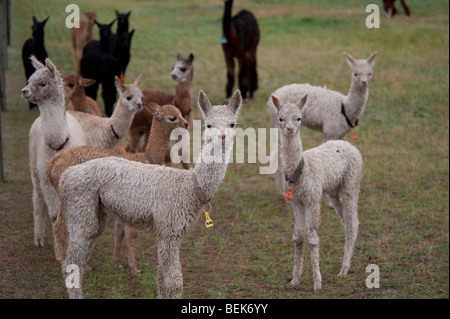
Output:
(327, 111)
(166, 119)
(122, 28)
(34, 46)
(82, 36)
(74, 90)
(389, 8)
(107, 131)
(167, 200)
(333, 169)
(182, 74)
(53, 131)
(240, 40)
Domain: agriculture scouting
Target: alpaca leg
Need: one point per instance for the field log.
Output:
(170, 278)
(252, 73)
(405, 7)
(242, 76)
(350, 223)
(61, 234)
(109, 96)
(230, 74)
(131, 235)
(298, 239)
(119, 233)
(78, 55)
(312, 229)
(39, 215)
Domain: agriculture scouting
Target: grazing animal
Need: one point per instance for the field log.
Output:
(34, 46)
(164, 199)
(82, 36)
(330, 112)
(240, 40)
(74, 90)
(182, 74)
(389, 8)
(333, 169)
(166, 118)
(107, 131)
(53, 131)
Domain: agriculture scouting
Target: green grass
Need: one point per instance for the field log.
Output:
(403, 137)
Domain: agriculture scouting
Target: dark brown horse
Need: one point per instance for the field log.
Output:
(240, 39)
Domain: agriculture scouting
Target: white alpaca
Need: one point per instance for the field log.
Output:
(53, 131)
(107, 131)
(330, 112)
(333, 169)
(164, 199)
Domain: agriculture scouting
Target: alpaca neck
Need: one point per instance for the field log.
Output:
(183, 95)
(210, 173)
(89, 30)
(226, 20)
(120, 119)
(355, 101)
(78, 99)
(105, 44)
(54, 124)
(39, 42)
(158, 142)
(291, 152)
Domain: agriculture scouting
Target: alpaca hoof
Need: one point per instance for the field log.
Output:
(342, 274)
(136, 272)
(39, 242)
(88, 268)
(317, 287)
(294, 282)
(119, 266)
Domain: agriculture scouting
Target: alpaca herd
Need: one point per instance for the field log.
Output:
(79, 177)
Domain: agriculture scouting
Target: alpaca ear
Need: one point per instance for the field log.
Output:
(350, 60)
(131, 33)
(179, 56)
(203, 103)
(96, 22)
(371, 59)
(34, 20)
(235, 102)
(128, 14)
(45, 21)
(118, 84)
(51, 67)
(153, 108)
(301, 103)
(111, 24)
(36, 63)
(190, 58)
(117, 13)
(276, 102)
(86, 82)
(138, 80)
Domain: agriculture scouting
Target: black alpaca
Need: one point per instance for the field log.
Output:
(391, 10)
(240, 40)
(103, 67)
(34, 46)
(118, 43)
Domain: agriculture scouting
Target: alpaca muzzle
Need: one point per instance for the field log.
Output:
(26, 93)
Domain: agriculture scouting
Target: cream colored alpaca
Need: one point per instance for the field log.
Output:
(166, 118)
(107, 131)
(167, 200)
(82, 36)
(327, 111)
(74, 89)
(333, 169)
(53, 131)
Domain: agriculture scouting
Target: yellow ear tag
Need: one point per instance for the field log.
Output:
(208, 222)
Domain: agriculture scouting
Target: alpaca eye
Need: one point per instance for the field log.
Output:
(232, 125)
(299, 119)
(208, 125)
(128, 98)
(183, 70)
(42, 84)
(355, 74)
(370, 74)
(172, 118)
(71, 85)
(280, 120)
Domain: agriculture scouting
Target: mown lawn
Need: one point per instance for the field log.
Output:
(403, 137)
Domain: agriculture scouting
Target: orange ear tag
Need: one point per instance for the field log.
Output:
(288, 197)
(355, 138)
(122, 78)
(122, 148)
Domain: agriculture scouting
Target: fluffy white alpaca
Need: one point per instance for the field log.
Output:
(53, 131)
(333, 169)
(164, 199)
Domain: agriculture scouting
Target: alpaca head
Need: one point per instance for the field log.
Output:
(74, 85)
(168, 115)
(220, 120)
(38, 27)
(130, 94)
(105, 29)
(122, 21)
(91, 15)
(361, 69)
(289, 115)
(183, 69)
(125, 40)
(45, 84)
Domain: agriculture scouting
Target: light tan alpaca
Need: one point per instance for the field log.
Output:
(182, 74)
(107, 131)
(81, 36)
(74, 89)
(53, 131)
(333, 169)
(163, 199)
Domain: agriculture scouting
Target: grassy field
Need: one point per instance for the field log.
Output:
(403, 137)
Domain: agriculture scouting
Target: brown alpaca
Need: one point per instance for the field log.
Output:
(391, 10)
(182, 73)
(81, 36)
(74, 90)
(165, 119)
